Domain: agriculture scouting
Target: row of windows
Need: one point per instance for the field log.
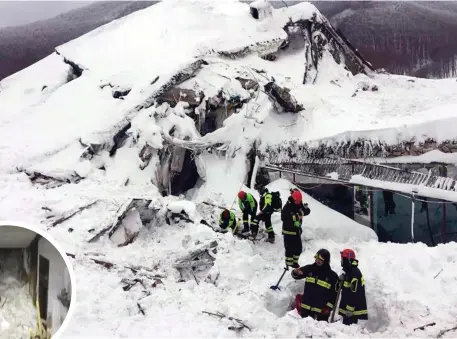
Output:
(388, 213)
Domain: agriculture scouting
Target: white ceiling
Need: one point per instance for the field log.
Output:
(15, 237)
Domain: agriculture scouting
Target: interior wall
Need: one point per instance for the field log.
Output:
(32, 252)
(11, 260)
(59, 279)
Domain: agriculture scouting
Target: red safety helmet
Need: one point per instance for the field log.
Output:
(296, 196)
(348, 253)
(242, 195)
(226, 214)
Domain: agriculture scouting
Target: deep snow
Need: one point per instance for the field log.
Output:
(40, 130)
(17, 313)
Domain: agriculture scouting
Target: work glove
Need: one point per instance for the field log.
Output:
(348, 314)
(297, 271)
(325, 311)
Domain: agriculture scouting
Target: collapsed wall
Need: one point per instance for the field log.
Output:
(165, 135)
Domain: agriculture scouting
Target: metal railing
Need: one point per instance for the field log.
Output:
(342, 170)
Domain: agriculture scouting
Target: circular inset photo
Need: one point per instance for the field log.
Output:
(36, 281)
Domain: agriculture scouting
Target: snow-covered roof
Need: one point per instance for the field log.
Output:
(141, 51)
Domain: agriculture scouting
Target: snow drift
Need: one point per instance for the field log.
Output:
(17, 313)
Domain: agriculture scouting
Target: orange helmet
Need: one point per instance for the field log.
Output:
(348, 253)
(242, 195)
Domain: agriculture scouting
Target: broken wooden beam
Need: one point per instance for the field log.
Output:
(238, 323)
(443, 332)
(131, 283)
(140, 309)
(194, 263)
(198, 252)
(99, 234)
(66, 217)
(50, 181)
(218, 206)
(200, 257)
(106, 264)
(145, 215)
(438, 274)
(424, 326)
(133, 269)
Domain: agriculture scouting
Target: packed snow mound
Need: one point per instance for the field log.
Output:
(390, 270)
(17, 314)
(323, 223)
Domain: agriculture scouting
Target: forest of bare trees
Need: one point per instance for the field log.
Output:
(413, 38)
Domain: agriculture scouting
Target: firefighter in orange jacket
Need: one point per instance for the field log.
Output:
(353, 304)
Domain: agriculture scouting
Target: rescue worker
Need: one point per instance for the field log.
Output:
(266, 210)
(248, 205)
(353, 304)
(321, 287)
(228, 220)
(291, 217)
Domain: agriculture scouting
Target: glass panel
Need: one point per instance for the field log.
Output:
(451, 223)
(392, 217)
(362, 205)
(335, 196)
(428, 220)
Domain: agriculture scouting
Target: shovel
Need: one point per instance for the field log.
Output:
(276, 287)
(332, 317)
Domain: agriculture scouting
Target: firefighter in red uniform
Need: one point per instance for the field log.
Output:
(321, 286)
(353, 304)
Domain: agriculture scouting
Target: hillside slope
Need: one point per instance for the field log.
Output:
(413, 38)
(399, 44)
(147, 127)
(22, 46)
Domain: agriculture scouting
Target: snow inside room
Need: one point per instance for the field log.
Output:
(35, 289)
(133, 143)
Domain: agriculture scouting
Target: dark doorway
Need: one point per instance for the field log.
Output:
(43, 286)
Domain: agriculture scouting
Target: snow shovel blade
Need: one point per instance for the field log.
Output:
(276, 287)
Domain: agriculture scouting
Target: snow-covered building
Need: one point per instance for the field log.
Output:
(39, 275)
(172, 109)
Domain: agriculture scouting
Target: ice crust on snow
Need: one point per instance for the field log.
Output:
(141, 52)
